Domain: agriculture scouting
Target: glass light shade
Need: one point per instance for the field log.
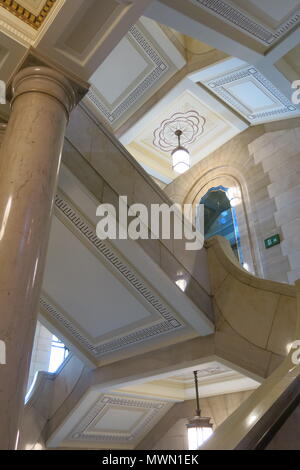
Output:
(199, 430)
(181, 160)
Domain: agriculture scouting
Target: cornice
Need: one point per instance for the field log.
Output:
(25, 15)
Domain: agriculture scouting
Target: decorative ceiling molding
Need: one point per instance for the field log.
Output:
(190, 123)
(246, 23)
(24, 14)
(159, 68)
(276, 105)
(140, 415)
(166, 321)
(204, 372)
(221, 124)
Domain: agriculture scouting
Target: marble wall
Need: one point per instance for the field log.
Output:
(278, 152)
(263, 162)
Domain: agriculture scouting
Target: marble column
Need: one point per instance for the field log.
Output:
(29, 164)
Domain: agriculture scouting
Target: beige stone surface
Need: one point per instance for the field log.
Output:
(264, 162)
(29, 164)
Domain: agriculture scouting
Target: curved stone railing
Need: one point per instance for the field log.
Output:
(267, 315)
(262, 312)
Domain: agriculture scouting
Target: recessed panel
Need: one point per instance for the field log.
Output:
(118, 419)
(251, 96)
(85, 289)
(250, 93)
(88, 24)
(120, 71)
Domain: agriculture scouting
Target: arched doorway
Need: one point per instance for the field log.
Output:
(220, 218)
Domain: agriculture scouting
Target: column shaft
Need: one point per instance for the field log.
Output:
(29, 164)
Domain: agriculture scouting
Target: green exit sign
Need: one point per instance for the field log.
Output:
(272, 241)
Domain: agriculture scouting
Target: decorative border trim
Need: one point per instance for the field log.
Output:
(25, 15)
(217, 86)
(83, 433)
(168, 323)
(160, 68)
(236, 17)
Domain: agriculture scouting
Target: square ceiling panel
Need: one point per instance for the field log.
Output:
(143, 61)
(219, 127)
(249, 92)
(117, 420)
(133, 63)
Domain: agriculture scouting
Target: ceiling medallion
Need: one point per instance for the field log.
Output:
(190, 124)
(26, 15)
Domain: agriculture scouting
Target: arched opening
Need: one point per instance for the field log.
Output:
(220, 217)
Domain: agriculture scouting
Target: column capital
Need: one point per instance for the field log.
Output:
(44, 80)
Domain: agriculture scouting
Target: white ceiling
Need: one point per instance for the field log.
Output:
(96, 300)
(76, 285)
(121, 417)
(245, 89)
(221, 125)
(141, 63)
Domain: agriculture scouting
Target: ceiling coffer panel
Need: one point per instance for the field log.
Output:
(264, 21)
(32, 12)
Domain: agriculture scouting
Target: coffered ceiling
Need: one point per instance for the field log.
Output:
(98, 301)
(111, 421)
(120, 418)
(26, 21)
(140, 64)
(214, 378)
(221, 124)
(245, 89)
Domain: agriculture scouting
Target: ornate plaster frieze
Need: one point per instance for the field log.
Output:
(223, 86)
(159, 68)
(246, 23)
(190, 123)
(35, 20)
(166, 321)
(90, 427)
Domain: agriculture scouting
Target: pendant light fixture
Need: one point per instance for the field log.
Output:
(199, 429)
(180, 156)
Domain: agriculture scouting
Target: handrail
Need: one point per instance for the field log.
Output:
(250, 426)
(279, 414)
